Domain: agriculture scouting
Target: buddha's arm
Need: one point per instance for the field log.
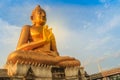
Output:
(24, 43)
(31, 45)
(24, 36)
(53, 45)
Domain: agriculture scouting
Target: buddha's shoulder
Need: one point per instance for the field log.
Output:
(26, 27)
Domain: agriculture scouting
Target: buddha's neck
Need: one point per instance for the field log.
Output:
(38, 25)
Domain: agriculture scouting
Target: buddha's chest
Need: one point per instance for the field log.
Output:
(36, 34)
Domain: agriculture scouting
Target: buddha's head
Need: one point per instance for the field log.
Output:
(38, 16)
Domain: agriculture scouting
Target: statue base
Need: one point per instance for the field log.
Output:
(44, 72)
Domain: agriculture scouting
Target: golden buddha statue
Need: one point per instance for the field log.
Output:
(37, 45)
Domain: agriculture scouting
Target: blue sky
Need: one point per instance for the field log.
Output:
(86, 29)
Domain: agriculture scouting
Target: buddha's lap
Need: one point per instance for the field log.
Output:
(42, 58)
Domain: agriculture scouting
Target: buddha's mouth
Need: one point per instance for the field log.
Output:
(43, 18)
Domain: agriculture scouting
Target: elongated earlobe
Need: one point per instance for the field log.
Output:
(31, 17)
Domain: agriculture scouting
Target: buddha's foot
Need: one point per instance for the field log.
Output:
(69, 63)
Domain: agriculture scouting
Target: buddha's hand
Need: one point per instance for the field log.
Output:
(47, 33)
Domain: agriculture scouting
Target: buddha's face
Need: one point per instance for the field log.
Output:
(40, 17)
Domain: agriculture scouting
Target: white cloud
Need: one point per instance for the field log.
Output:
(108, 26)
(116, 55)
(8, 39)
(96, 43)
(8, 32)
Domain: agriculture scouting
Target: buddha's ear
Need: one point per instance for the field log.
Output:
(31, 17)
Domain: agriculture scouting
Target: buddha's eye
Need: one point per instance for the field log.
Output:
(39, 12)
